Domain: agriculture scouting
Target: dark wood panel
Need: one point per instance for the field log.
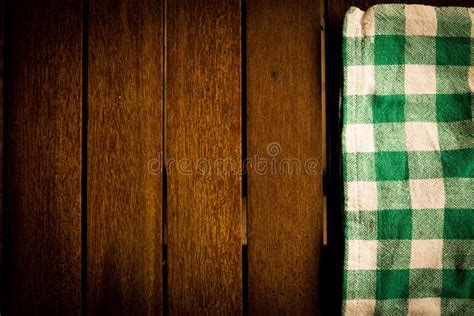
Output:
(203, 115)
(124, 182)
(43, 156)
(284, 127)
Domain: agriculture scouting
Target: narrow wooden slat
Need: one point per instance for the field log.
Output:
(284, 122)
(124, 193)
(203, 110)
(43, 157)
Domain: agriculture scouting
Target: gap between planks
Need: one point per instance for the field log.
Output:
(323, 115)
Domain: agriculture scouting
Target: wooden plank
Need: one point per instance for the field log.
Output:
(336, 10)
(43, 157)
(124, 209)
(203, 115)
(284, 122)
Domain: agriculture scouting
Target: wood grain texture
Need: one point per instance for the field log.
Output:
(124, 190)
(333, 263)
(43, 157)
(203, 109)
(283, 122)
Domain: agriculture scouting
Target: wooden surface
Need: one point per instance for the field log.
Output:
(124, 210)
(283, 107)
(203, 115)
(43, 157)
(212, 62)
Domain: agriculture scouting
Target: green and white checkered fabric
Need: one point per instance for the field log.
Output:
(408, 160)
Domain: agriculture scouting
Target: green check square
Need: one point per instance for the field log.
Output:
(425, 165)
(420, 50)
(361, 225)
(393, 254)
(452, 79)
(428, 224)
(346, 196)
(458, 163)
(394, 224)
(358, 51)
(389, 79)
(472, 54)
(458, 254)
(453, 50)
(425, 283)
(389, 50)
(389, 20)
(393, 195)
(420, 107)
(391, 165)
(345, 80)
(458, 283)
(359, 166)
(359, 284)
(389, 137)
(388, 108)
(456, 135)
(357, 109)
(453, 107)
(453, 21)
(451, 306)
(459, 192)
(392, 307)
(458, 223)
(392, 284)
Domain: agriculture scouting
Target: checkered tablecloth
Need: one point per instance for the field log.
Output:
(408, 160)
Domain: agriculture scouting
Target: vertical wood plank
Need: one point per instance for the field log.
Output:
(124, 191)
(203, 109)
(43, 157)
(284, 127)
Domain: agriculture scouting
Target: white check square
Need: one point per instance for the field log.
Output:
(359, 138)
(471, 78)
(427, 254)
(360, 23)
(430, 306)
(422, 136)
(427, 194)
(362, 255)
(420, 79)
(420, 20)
(471, 13)
(359, 307)
(362, 196)
(360, 80)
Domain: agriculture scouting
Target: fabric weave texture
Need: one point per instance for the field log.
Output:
(408, 160)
